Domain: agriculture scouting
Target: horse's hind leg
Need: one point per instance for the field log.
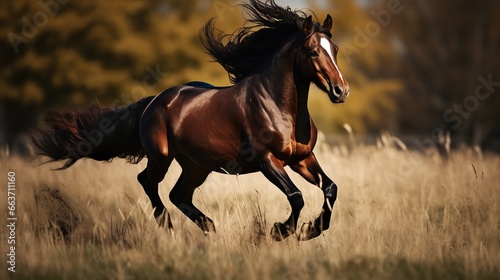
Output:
(182, 195)
(310, 170)
(149, 179)
(153, 133)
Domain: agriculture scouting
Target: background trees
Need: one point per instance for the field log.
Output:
(445, 50)
(413, 66)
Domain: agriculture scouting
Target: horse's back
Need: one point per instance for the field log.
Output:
(199, 84)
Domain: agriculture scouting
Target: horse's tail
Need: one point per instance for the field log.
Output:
(94, 132)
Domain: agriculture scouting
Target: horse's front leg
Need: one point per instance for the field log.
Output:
(310, 170)
(273, 169)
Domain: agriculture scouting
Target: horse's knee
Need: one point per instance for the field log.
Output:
(296, 201)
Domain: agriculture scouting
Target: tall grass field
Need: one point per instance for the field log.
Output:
(400, 214)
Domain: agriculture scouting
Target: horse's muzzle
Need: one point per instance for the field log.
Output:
(338, 94)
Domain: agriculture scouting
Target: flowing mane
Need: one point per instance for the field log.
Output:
(250, 47)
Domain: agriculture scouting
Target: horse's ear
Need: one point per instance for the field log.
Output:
(328, 23)
(307, 25)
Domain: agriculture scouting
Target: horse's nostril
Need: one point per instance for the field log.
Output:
(338, 91)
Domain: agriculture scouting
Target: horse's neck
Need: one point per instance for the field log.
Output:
(291, 91)
(285, 86)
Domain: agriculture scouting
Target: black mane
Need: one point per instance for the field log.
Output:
(249, 47)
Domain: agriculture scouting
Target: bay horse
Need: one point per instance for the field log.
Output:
(260, 123)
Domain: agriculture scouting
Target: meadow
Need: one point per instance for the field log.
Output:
(400, 214)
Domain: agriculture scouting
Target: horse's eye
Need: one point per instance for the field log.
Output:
(314, 53)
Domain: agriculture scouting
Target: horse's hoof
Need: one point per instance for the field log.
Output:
(206, 225)
(164, 221)
(308, 231)
(209, 227)
(280, 231)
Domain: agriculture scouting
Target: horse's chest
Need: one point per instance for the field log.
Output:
(288, 149)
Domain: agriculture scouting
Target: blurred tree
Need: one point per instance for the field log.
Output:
(446, 54)
(59, 53)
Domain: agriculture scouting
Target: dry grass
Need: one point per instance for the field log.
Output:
(400, 214)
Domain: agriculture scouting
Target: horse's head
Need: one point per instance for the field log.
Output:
(319, 55)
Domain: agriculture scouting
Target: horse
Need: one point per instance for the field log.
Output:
(261, 123)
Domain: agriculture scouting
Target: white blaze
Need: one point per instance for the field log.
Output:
(325, 44)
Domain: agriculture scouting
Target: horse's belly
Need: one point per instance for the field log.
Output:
(229, 161)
